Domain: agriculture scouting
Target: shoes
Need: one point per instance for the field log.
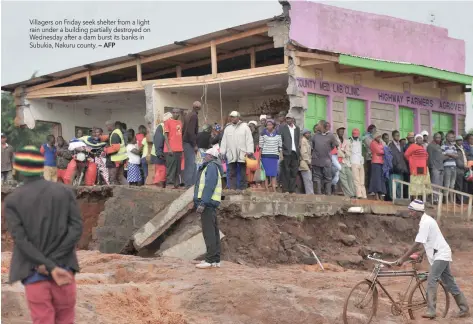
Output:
(207, 265)
(431, 303)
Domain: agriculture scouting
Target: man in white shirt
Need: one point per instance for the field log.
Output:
(439, 256)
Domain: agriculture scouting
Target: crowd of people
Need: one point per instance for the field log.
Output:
(269, 153)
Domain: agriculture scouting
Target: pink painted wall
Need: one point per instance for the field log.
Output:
(333, 29)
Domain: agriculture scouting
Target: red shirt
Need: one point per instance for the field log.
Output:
(377, 152)
(139, 140)
(417, 157)
(173, 130)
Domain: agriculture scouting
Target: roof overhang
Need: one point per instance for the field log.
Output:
(405, 68)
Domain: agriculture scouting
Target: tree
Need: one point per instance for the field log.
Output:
(20, 136)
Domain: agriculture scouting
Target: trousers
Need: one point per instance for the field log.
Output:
(440, 270)
(211, 234)
(190, 169)
(290, 166)
(237, 179)
(51, 304)
(346, 181)
(308, 184)
(358, 172)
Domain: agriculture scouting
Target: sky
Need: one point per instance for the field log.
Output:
(178, 20)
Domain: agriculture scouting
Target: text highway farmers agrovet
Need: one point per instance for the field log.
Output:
(78, 33)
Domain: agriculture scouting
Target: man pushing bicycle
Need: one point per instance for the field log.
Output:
(439, 255)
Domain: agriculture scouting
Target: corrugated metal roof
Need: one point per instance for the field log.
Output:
(122, 59)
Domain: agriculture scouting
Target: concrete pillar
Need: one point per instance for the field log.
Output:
(152, 113)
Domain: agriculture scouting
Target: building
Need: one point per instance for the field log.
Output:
(318, 61)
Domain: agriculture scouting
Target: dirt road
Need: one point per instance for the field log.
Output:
(129, 289)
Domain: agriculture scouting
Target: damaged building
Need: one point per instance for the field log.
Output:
(320, 62)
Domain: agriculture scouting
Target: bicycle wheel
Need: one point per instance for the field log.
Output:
(361, 303)
(417, 301)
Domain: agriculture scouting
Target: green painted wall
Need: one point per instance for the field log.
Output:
(441, 122)
(406, 121)
(356, 115)
(316, 110)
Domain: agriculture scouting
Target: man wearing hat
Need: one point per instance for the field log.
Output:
(439, 256)
(237, 145)
(290, 137)
(7, 159)
(44, 220)
(357, 164)
(410, 140)
(207, 197)
(344, 158)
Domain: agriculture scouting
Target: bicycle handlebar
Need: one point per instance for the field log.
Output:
(372, 257)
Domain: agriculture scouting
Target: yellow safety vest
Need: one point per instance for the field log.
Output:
(153, 149)
(217, 194)
(121, 154)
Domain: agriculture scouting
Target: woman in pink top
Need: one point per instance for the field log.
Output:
(377, 185)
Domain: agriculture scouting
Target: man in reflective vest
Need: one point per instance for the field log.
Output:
(207, 197)
(116, 153)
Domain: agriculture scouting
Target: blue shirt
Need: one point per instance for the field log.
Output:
(49, 155)
(449, 149)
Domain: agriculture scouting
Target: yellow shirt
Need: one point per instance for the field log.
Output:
(144, 142)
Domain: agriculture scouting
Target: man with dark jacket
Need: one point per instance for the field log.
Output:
(290, 136)
(400, 169)
(189, 139)
(45, 222)
(323, 143)
(207, 197)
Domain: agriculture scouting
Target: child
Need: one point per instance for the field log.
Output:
(134, 159)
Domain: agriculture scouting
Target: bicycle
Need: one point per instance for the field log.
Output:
(415, 302)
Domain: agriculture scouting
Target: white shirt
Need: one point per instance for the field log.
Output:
(430, 235)
(291, 129)
(356, 152)
(132, 157)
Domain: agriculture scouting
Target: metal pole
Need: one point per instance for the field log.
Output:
(439, 206)
(470, 202)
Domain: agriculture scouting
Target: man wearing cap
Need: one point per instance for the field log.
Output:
(439, 256)
(425, 136)
(237, 145)
(44, 220)
(189, 138)
(291, 151)
(305, 165)
(207, 197)
(410, 140)
(116, 153)
(323, 142)
(344, 158)
(357, 164)
(7, 159)
(262, 123)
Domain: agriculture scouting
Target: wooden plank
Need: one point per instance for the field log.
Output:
(178, 71)
(221, 77)
(388, 75)
(312, 62)
(325, 57)
(418, 79)
(349, 70)
(213, 58)
(89, 80)
(58, 82)
(245, 34)
(84, 90)
(208, 61)
(252, 58)
(139, 75)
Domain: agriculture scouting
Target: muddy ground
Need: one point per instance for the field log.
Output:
(262, 279)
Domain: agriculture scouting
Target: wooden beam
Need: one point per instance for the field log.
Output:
(252, 58)
(349, 70)
(312, 62)
(448, 84)
(325, 57)
(89, 81)
(207, 61)
(419, 79)
(213, 58)
(178, 71)
(84, 90)
(388, 75)
(221, 77)
(261, 37)
(139, 75)
(151, 58)
(58, 81)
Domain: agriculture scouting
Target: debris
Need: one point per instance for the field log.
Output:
(356, 210)
(189, 249)
(348, 240)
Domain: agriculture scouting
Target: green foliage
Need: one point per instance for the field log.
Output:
(21, 136)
